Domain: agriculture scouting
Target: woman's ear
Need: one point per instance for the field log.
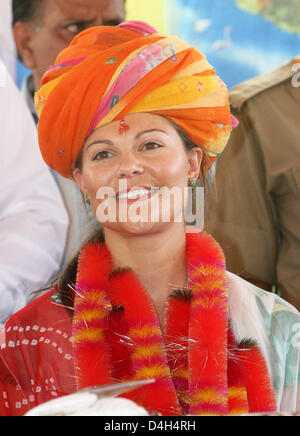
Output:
(77, 176)
(195, 156)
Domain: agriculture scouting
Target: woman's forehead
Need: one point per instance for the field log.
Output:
(133, 124)
(138, 121)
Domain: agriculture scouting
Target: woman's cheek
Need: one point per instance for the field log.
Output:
(174, 171)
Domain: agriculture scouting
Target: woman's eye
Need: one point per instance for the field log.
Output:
(102, 155)
(151, 146)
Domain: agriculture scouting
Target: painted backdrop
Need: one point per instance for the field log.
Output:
(241, 38)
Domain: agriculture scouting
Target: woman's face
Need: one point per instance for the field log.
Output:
(135, 172)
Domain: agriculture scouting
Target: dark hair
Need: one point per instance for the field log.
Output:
(25, 10)
(67, 280)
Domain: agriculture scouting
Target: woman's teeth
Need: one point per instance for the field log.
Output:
(136, 193)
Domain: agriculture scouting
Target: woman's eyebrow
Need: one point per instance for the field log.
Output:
(138, 135)
(100, 141)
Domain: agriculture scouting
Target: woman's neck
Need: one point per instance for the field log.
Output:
(158, 260)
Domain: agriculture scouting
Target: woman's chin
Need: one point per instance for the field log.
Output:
(135, 228)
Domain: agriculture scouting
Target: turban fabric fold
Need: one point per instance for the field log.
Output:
(109, 72)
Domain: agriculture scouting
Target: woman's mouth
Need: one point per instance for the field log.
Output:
(140, 193)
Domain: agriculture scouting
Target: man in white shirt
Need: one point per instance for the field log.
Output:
(7, 45)
(33, 220)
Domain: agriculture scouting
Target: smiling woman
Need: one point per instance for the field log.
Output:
(134, 112)
(151, 159)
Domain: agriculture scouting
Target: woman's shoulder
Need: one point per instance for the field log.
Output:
(44, 310)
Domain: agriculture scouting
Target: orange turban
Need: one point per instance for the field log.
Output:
(109, 72)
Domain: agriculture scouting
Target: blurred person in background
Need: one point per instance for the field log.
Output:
(254, 212)
(33, 220)
(42, 29)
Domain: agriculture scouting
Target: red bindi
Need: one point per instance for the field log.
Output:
(123, 127)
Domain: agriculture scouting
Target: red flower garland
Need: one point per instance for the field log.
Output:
(198, 367)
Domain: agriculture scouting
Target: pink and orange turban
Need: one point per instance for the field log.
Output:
(109, 72)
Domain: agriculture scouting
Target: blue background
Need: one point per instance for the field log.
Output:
(257, 45)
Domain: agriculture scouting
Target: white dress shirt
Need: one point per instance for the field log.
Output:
(33, 219)
(7, 44)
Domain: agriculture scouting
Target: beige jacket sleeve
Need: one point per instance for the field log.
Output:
(254, 211)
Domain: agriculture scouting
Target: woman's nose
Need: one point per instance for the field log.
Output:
(129, 167)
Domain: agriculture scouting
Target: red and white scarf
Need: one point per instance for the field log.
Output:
(198, 367)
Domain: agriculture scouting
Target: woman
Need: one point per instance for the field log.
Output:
(130, 115)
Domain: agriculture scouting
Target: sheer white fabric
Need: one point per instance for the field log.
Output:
(274, 324)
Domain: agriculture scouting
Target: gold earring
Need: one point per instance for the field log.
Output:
(87, 199)
(192, 183)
